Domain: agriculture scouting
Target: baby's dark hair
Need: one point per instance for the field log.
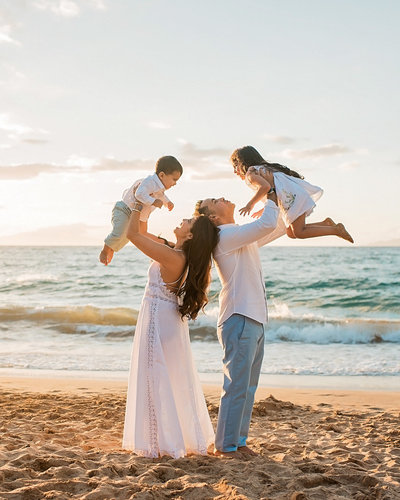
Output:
(247, 156)
(168, 165)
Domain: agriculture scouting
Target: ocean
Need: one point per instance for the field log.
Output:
(334, 315)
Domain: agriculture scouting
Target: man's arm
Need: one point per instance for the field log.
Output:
(234, 237)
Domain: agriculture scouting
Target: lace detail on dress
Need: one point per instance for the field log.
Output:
(152, 419)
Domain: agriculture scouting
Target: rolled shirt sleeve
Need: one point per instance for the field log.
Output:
(245, 234)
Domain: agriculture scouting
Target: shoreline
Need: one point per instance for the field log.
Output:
(311, 396)
(367, 383)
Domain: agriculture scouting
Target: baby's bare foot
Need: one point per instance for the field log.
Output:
(343, 233)
(106, 255)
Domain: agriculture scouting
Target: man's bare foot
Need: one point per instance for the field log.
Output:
(342, 233)
(228, 454)
(106, 255)
(248, 451)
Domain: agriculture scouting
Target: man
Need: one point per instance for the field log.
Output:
(242, 313)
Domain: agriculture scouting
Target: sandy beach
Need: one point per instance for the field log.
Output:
(61, 438)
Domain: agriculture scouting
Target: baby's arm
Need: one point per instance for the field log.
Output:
(166, 202)
(254, 178)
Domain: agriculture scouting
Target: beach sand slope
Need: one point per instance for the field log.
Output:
(59, 444)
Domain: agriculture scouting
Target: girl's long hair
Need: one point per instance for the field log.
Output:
(247, 156)
(198, 251)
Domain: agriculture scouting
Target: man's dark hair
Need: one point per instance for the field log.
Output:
(199, 210)
(168, 165)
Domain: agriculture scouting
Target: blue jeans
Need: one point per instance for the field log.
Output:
(120, 220)
(243, 342)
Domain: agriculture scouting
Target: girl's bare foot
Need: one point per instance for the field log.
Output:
(342, 233)
(106, 255)
(329, 222)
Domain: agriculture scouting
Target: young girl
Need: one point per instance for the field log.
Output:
(296, 197)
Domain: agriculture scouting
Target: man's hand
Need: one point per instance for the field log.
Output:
(157, 203)
(258, 214)
(170, 206)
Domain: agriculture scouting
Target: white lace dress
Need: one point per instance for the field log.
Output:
(166, 413)
(295, 196)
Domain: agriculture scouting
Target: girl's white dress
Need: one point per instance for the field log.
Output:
(295, 196)
(166, 413)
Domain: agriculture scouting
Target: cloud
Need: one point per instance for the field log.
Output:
(35, 141)
(12, 79)
(21, 172)
(16, 131)
(159, 125)
(190, 151)
(212, 175)
(16, 128)
(201, 164)
(110, 164)
(280, 139)
(64, 8)
(31, 170)
(68, 8)
(5, 35)
(349, 165)
(322, 151)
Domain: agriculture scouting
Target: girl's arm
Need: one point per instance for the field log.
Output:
(166, 256)
(259, 181)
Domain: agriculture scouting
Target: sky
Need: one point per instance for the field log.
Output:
(92, 92)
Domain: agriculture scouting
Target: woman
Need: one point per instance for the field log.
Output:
(166, 412)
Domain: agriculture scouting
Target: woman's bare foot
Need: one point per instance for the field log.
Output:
(106, 255)
(342, 233)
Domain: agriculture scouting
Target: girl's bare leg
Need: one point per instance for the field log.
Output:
(302, 230)
(327, 222)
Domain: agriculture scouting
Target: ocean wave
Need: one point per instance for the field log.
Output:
(349, 331)
(283, 326)
(72, 315)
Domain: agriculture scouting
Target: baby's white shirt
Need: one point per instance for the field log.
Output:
(145, 191)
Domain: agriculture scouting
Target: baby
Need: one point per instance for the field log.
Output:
(150, 193)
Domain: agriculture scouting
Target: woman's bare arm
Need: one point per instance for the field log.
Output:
(167, 257)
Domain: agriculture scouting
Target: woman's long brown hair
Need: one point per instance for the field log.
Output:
(247, 156)
(198, 251)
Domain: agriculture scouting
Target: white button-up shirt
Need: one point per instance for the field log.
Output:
(238, 264)
(145, 191)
